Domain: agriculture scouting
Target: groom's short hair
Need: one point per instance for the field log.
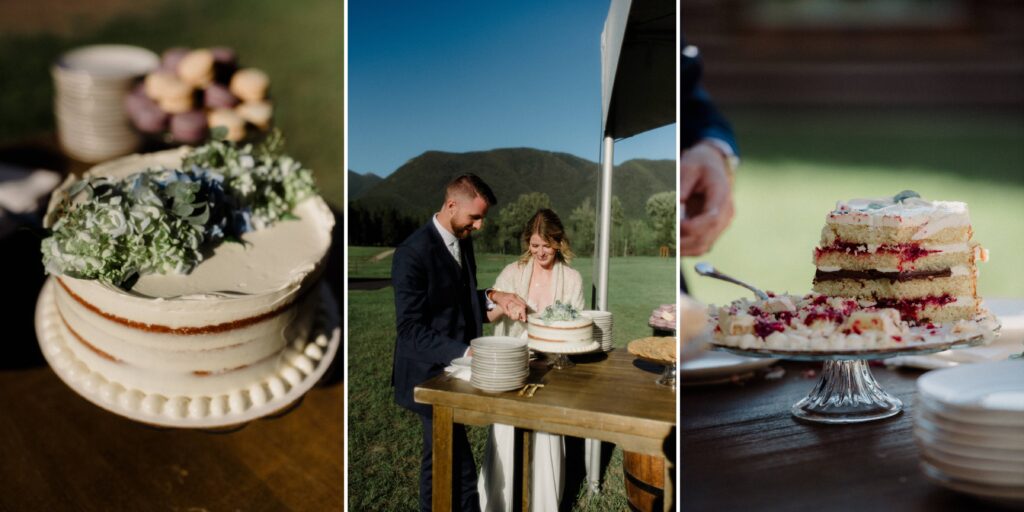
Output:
(470, 186)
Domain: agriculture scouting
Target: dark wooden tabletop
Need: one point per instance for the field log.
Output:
(60, 452)
(742, 450)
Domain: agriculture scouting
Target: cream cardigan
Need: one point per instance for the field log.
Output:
(567, 286)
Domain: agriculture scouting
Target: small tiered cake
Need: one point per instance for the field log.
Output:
(902, 252)
(223, 326)
(560, 327)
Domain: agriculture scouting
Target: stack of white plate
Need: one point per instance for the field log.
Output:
(969, 424)
(602, 328)
(91, 84)
(500, 363)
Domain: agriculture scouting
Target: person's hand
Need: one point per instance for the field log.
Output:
(705, 194)
(514, 307)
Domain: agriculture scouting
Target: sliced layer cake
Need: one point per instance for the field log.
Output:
(902, 252)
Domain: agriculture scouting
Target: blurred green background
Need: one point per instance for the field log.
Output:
(300, 46)
(798, 162)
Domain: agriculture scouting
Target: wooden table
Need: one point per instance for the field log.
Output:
(742, 450)
(61, 452)
(606, 398)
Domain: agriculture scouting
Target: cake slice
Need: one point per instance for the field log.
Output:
(902, 252)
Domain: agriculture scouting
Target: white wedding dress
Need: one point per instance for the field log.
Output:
(547, 468)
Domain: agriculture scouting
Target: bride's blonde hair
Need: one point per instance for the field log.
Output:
(547, 224)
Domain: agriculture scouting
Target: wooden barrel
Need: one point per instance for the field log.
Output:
(645, 481)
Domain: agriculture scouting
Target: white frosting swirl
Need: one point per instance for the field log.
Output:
(929, 216)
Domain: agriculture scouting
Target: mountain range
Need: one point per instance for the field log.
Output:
(360, 184)
(417, 187)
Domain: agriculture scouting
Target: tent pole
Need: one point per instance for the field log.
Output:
(605, 223)
(592, 449)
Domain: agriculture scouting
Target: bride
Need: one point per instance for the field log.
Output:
(541, 276)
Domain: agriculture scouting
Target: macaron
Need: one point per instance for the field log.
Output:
(160, 84)
(144, 113)
(225, 63)
(250, 84)
(189, 127)
(171, 57)
(217, 96)
(258, 113)
(196, 68)
(228, 119)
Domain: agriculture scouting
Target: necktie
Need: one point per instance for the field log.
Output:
(456, 253)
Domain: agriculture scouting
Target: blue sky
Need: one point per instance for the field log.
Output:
(468, 76)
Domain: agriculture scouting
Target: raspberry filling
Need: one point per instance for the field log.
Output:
(910, 309)
(907, 252)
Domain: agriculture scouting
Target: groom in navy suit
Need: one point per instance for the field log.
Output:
(438, 310)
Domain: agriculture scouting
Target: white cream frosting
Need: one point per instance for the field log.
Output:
(579, 331)
(236, 282)
(268, 276)
(929, 216)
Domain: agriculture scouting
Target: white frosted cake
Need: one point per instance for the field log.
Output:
(560, 328)
(220, 327)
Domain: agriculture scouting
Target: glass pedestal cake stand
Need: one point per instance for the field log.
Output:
(846, 391)
(668, 375)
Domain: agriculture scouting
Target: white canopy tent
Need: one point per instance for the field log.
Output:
(639, 54)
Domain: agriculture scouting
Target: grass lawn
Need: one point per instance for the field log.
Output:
(384, 439)
(299, 46)
(796, 165)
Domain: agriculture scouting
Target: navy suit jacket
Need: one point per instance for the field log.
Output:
(438, 310)
(698, 116)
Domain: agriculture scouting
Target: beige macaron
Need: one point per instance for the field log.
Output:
(256, 112)
(249, 84)
(229, 119)
(162, 84)
(196, 68)
(176, 97)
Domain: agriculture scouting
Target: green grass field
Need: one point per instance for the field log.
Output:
(300, 47)
(384, 439)
(797, 164)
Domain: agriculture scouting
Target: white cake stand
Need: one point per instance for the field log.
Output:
(558, 354)
(301, 366)
(846, 391)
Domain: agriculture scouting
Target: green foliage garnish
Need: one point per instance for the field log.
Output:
(559, 311)
(162, 220)
(906, 194)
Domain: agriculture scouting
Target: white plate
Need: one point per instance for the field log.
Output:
(108, 61)
(500, 389)
(942, 434)
(993, 478)
(502, 376)
(498, 343)
(1013, 437)
(717, 365)
(1012, 496)
(957, 449)
(986, 393)
(296, 374)
(972, 463)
